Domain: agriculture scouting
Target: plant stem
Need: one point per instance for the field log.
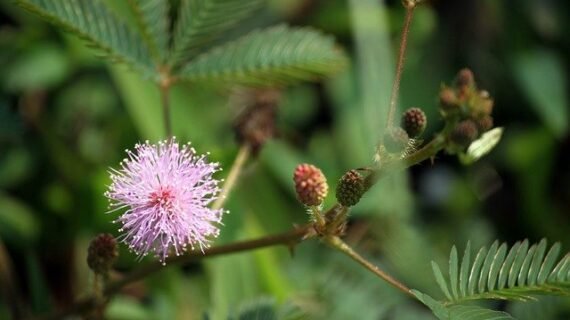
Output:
(288, 238)
(341, 246)
(164, 95)
(237, 166)
(400, 65)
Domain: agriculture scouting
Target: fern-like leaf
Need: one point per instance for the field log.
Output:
(275, 56)
(499, 273)
(92, 21)
(202, 21)
(460, 312)
(153, 20)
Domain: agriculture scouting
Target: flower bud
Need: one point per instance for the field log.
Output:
(414, 122)
(256, 124)
(485, 123)
(465, 78)
(310, 184)
(448, 99)
(464, 133)
(350, 188)
(102, 253)
(395, 139)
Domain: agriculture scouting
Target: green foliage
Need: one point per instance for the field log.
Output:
(497, 274)
(460, 312)
(202, 21)
(276, 55)
(540, 76)
(267, 309)
(154, 23)
(109, 34)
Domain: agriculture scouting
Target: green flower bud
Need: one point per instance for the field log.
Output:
(350, 188)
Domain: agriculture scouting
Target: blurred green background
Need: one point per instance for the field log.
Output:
(66, 116)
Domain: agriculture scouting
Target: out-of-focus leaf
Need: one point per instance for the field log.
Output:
(41, 67)
(123, 308)
(15, 165)
(195, 110)
(18, 225)
(40, 297)
(541, 76)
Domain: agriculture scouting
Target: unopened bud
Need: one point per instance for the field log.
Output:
(350, 188)
(414, 122)
(448, 99)
(310, 184)
(102, 253)
(485, 123)
(464, 133)
(256, 124)
(465, 78)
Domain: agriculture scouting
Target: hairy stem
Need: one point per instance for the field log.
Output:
(400, 65)
(336, 243)
(237, 166)
(289, 238)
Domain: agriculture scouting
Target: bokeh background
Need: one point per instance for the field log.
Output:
(66, 116)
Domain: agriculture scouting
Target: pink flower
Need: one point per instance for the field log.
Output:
(166, 190)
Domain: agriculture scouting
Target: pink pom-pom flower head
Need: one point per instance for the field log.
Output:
(166, 189)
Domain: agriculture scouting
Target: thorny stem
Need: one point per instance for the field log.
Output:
(289, 238)
(336, 243)
(237, 166)
(400, 64)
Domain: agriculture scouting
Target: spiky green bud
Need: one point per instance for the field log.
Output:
(350, 188)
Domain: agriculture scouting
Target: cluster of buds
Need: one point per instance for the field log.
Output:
(256, 124)
(102, 253)
(467, 108)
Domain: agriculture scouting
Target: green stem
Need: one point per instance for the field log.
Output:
(336, 243)
(237, 166)
(429, 150)
(164, 95)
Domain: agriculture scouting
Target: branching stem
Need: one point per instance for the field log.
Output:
(288, 238)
